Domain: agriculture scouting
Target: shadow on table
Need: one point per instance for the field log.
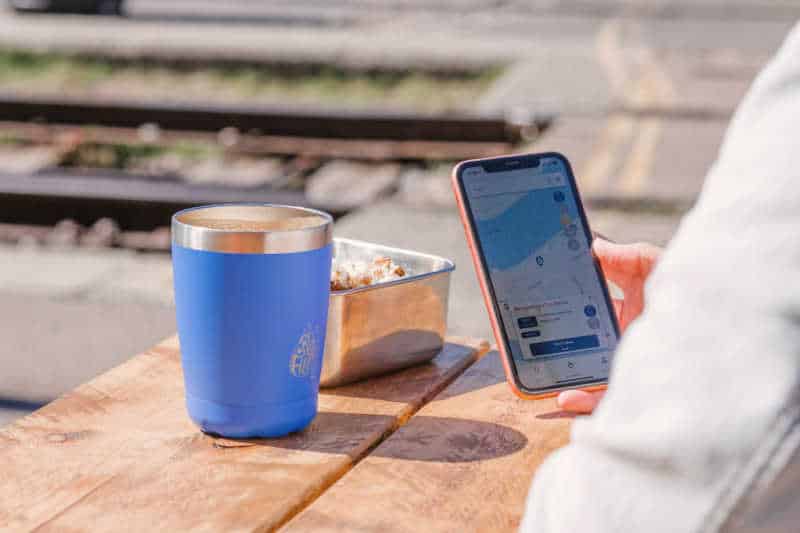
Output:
(424, 438)
(21, 405)
(488, 372)
(451, 440)
(407, 385)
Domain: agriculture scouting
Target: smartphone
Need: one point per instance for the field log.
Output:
(546, 295)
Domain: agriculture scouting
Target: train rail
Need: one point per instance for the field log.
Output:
(267, 120)
(336, 152)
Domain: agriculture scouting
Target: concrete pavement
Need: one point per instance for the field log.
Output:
(51, 345)
(67, 315)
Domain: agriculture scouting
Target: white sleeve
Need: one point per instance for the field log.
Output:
(700, 379)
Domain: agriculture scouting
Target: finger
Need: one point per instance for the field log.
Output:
(578, 401)
(626, 259)
(619, 309)
(615, 259)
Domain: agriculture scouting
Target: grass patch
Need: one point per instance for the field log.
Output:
(42, 73)
(123, 156)
(12, 140)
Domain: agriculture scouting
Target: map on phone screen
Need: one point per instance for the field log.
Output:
(538, 256)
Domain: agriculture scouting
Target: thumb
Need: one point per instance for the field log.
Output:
(579, 401)
(625, 259)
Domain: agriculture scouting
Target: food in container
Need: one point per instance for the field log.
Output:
(390, 324)
(353, 274)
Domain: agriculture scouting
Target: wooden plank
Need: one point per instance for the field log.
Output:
(120, 453)
(464, 462)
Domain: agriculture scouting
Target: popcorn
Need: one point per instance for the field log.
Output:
(354, 274)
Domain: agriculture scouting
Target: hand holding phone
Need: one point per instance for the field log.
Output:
(627, 266)
(547, 298)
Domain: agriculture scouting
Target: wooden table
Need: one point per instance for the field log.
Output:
(439, 447)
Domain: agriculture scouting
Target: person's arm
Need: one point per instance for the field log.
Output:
(695, 417)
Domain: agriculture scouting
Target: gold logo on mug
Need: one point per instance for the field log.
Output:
(301, 360)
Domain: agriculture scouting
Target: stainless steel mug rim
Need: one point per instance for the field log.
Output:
(271, 241)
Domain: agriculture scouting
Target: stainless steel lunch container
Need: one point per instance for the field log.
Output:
(387, 326)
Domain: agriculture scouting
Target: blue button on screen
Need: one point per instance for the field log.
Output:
(527, 322)
(590, 310)
(565, 345)
(531, 333)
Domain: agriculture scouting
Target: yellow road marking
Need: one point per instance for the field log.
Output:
(608, 46)
(618, 129)
(627, 143)
(633, 177)
(653, 89)
(596, 171)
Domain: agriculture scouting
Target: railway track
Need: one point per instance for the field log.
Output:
(265, 120)
(333, 160)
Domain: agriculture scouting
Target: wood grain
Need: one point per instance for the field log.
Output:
(120, 453)
(464, 462)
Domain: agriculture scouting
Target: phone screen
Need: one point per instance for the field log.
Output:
(551, 300)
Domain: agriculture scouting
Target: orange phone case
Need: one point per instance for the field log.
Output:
(487, 295)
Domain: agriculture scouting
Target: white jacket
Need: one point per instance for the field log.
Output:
(700, 428)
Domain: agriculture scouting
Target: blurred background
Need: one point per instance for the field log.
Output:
(115, 114)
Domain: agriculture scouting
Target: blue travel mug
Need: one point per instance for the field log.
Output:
(252, 283)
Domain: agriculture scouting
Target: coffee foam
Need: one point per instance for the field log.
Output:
(234, 224)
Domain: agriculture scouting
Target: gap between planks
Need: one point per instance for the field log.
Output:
(481, 350)
(109, 388)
